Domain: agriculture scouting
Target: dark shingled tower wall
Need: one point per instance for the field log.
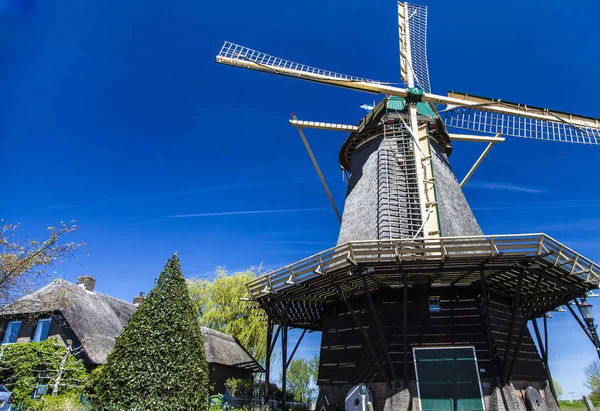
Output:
(456, 217)
(381, 200)
(359, 221)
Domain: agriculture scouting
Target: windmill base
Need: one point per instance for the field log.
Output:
(510, 398)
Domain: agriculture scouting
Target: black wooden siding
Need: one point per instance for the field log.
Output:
(345, 358)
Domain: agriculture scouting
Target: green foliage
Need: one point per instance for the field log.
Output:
(557, 388)
(93, 382)
(299, 376)
(238, 386)
(571, 405)
(220, 308)
(577, 404)
(22, 362)
(25, 263)
(592, 376)
(314, 369)
(67, 402)
(595, 398)
(234, 385)
(158, 362)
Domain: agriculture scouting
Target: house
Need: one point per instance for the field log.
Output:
(227, 358)
(76, 314)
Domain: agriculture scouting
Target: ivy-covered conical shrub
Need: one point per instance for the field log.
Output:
(158, 362)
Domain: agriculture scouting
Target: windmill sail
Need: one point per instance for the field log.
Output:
(516, 120)
(412, 28)
(240, 56)
(463, 111)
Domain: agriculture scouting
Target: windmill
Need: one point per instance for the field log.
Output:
(414, 297)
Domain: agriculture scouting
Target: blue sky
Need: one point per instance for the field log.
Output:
(114, 114)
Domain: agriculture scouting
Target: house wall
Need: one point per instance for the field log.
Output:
(59, 330)
(218, 374)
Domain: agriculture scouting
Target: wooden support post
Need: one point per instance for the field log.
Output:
(515, 309)
(363, 333)
(318, 170)
(486, 307)
(524, 326)
(546, 338)
(382, 339)
(544, 356)
(268, 355)
(274, 339)
(479, 160)
(287, 365)
(405, 324)
(284, 335)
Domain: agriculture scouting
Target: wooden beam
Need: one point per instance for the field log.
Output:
(488, 326)
(287, 365)
(515, 309)
(268, 354)
(405, 324)
(382, 339)
(314, 161)
(323, 126)
(544, 357)
(477, 163)
(526, 318)
(478, 139)
(284, 335)
(363, 333)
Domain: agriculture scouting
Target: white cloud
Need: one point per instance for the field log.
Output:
(499, 186)
(224, 213)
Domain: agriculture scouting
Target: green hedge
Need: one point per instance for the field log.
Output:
(158, 362)
(21, 363)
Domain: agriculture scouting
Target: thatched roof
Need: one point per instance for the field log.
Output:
(97, 320)
(226, 350)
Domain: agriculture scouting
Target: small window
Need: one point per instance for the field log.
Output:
(42, 329)
(41, 386)
(12, 332)
(434, 304)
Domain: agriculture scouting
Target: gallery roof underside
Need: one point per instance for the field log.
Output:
(544, 273)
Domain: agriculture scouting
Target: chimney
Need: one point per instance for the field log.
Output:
(139, 299)
(86, 282)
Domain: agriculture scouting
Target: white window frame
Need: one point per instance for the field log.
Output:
(38, 329)
(8, 326)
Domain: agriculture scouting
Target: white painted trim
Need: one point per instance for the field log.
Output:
(469, 137)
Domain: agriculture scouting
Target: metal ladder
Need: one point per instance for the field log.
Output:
(398, 207)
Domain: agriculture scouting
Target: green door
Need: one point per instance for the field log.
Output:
(448, 379)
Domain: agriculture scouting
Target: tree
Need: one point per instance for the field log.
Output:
(592, 376)
(314, 369)
(24, 263)
(158, 362)
(300, 374)
(219, 306)
(557, 388)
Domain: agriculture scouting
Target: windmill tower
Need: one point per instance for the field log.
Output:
(414, 301)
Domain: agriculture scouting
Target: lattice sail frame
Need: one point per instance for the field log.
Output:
(462, 111)
(492, 116)
(240, 56)
(412, 28)
(470, 118)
